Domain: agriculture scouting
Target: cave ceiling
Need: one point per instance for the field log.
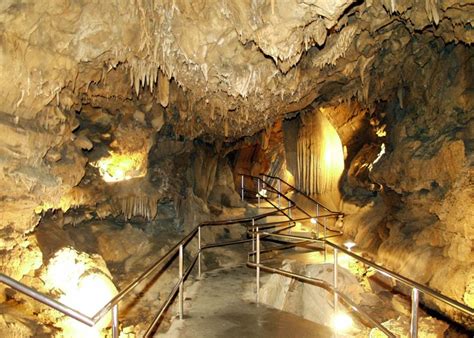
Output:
(221, 69)
(134, 108)
(82, 78)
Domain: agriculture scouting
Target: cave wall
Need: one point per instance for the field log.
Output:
(222, 70)
(418, 220)
(78, 75)
(407, 185)
(40, 162)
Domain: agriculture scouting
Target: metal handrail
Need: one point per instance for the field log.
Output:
(41, 297)
(171, 295)
(408, 282)
(327, 286)
(331, 213)
(416, 287)
(314, 219)
(170, 253)
(290, 201)
(178, 286)
(302, 193)
(113, 303)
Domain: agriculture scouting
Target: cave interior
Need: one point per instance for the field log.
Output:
(125, 124)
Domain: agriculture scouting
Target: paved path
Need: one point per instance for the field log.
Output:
(222, 306)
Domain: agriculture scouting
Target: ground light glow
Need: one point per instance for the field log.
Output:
(349, 245)
(82, 285)
(342, 322)
(262, 193)
(119, 167)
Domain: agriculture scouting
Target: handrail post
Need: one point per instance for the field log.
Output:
(253, 237)
(242, 187)
(258, 266)
(180, 296)
(199, 253)
(115, 322)
(335, 284)
(258, 191)
(414, 313)
(317, 220)
(324, 243)
(279, 193)
(289, 206)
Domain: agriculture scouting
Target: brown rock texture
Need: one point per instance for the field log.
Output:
(186, 83)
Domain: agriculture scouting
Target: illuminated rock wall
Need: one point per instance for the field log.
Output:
(76, 76)
(320, 157)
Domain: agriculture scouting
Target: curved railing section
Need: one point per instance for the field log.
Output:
(278, 179)
(257, 232)
(112, 305)
(415, 287)
(319, 220)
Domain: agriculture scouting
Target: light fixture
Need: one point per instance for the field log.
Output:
(314, 220)
(342, 322)
(349, 245)
(262, 193)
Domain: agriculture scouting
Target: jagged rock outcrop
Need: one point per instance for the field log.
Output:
(40, 163)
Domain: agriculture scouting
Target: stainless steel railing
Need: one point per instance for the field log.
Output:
(256, 236)
(40, 297)
(112, 305)
(337, 214)
(416, 287)
(318, 220)
(280, 180)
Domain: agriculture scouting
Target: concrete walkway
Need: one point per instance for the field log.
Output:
(222, 305)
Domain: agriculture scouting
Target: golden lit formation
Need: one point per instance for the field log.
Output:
(381, 132)
(320, 155)
(84, 284)
(120, 167)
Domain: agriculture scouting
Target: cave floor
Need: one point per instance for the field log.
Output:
(222, 304)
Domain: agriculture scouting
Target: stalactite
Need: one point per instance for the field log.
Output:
(164, 89)
(337, 49)
(431, 8)
(137, 206)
